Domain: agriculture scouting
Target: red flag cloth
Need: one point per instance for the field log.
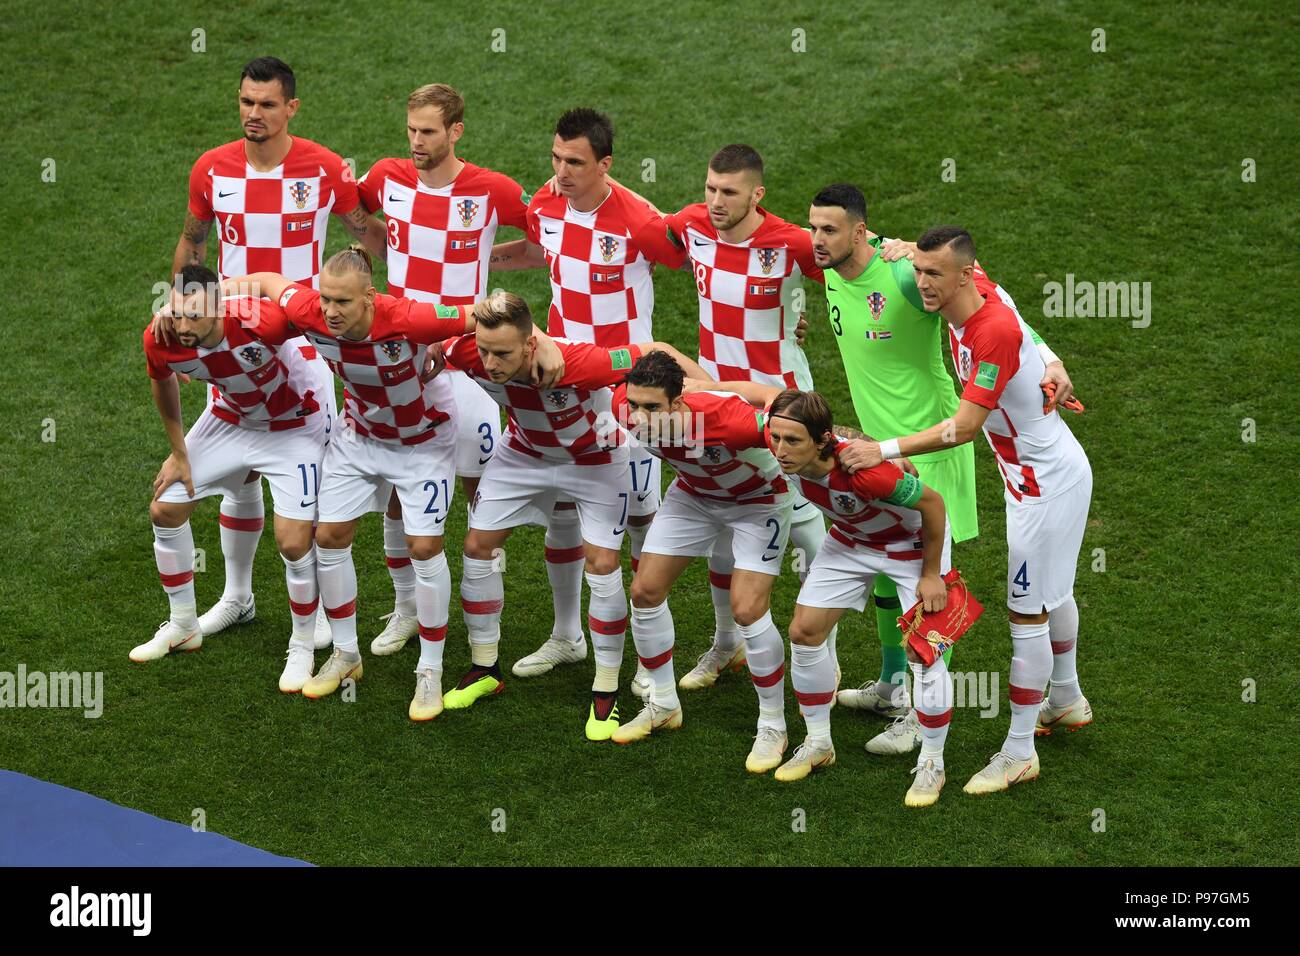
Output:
(930, 635)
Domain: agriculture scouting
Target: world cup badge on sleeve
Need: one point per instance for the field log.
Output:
(876, 303)
(300, 192)
(467, 209)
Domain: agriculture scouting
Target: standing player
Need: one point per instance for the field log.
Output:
(398, 432)
(729, 496)
(892, 351)
(559, 439)
(598, 240)
(271, 196)
(264, 417)
(442, 215)
(748, 267)
(1048, 490)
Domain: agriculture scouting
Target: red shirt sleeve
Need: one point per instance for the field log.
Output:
(201, 189)
(878, 481)
(652, 238)
(269, 323)
(741, 424)
(425, 322)
(590, 366)
(343, 182)
(533, 225)
(510, 199)
(995, 357)
(370, 187)
(462, 354)
(155, 356)
(801, 248)
(301, 305)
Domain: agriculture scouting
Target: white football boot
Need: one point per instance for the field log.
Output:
(225, 613)
(427, 702)
(711, 665)
(323, 637)
(924, 790)
(806, 759)
(395, 634)
(866, 698)
(769, 748)
(1071, 717)
(900, 737)
(169, 637)
(556, 650)
(1003, 772)
(299, 666)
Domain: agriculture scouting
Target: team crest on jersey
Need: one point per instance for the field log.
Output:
(251, 354)
(467, 209)
(876, 303)
(558, 399)
(300, 191)
(392, 349)
(846, 503)
(608, 246)
(766, 259)
(713, 453)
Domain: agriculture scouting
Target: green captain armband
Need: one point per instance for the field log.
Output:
(907, 492)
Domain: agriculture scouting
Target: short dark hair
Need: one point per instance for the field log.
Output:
(267, 68)
(504, 308)
(194, 277)
(811, 411)
(595, 126)
(657, 369)
(845, 195)
(963, 246)
(737, 158)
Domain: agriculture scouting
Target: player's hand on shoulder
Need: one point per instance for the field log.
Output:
(932, 593)
(695, 385)
(548, 362)
(163, 325)
(908, 467)
(435, 360)
(1057, 376)
(173, 470)
(801, 329)
(895, 249)
(858, 454)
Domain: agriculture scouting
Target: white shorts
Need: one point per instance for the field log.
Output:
(478, 422)
(518, 489)
(644, 470)
(1043, 542)
(841, 575)
(221, 456)
(325, 397)
(688, 525)
(359, 470)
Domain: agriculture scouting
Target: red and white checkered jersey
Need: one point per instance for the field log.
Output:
(1000, 368)
(273, 221)
(599, 262)
(569, 423)
(255, 383)
(859, 512)
(746, 291)
(382, 394)
(719, 453)
(440, 240)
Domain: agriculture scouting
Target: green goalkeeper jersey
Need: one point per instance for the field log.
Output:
(892, 350)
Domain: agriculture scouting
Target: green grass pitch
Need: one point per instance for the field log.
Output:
(1123, 165)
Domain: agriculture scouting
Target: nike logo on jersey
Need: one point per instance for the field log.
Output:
(192, 368)
(700, 242)
(224, 195)
(396, 199)
(550, 232)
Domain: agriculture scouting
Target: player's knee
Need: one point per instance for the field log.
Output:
(424, 548)
(748, 610)
(801, 633)
(167, 514)
(602, 562)
(647, 593)
(479, 546)
(333, 535)
(295, 540)
(1018, 618)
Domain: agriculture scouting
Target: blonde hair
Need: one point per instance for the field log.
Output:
(355, 258)
(504, 308)
(449, 102)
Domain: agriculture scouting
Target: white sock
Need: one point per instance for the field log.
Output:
(173, 550)
(482, 595)
(1031, 664)
(726, 637)
(636, 540)
(242, 518)
(304, 595)
(607, 620)
(398, 559)
(765, 653)
(813, 676)
(653, 635)
(432, 601)
(338, 592)
(565, 559)
(1063, 630)
(933, 691)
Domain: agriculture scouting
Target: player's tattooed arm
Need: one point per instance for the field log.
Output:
(859, 443)
(366, 228)
(518, 254)
(848, 433)
(756, 393)
(192, 247)
(167, 399)
(957, 430)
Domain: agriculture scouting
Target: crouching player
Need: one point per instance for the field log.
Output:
(729, 496)
(264, 417)
(560, 439)
(883, 521)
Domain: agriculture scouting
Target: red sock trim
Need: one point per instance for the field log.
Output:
(814, 700)
(397, 562)
(482, 607)
(1062, 647)
(176, 580)
(241, 524)
(565, 555)
(720, 580)
(636, 563)
(768, 680)
(343, 610)
(433, 633)
(934, 720)
(1024, 695)
(607, 627)
(302, 610)
(659, 660)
